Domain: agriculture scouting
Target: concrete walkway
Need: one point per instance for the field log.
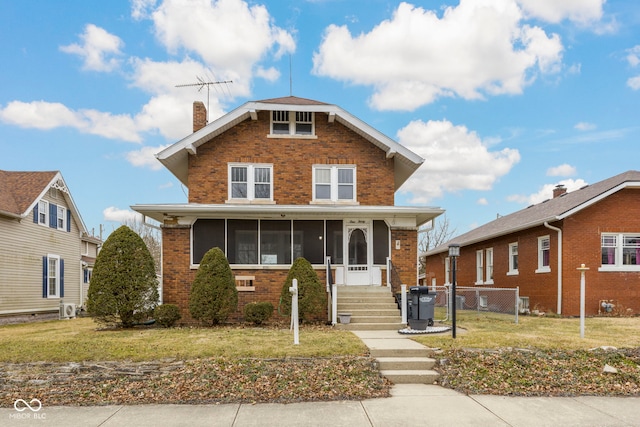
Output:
(409, 405)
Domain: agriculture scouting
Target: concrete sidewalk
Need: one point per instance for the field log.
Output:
(409, 405)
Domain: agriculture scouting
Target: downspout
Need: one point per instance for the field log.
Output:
(559, 231)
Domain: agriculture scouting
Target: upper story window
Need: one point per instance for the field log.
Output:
(250, 182)
(513, 259)
(292, 123)
(334, 183)
(544, 252)
(43, 211)
(620, 252)
(61, 218)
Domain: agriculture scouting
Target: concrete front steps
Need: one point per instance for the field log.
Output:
(372, 308)
(376, 319)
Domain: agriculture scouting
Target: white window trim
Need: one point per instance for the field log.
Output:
(250, 183)
(479, 267)
(543, 268)
(45, 212)
(618, 266)
(512, 271)
(61, 222)
(489, 271)
(334, 184)
(57, 276)
(292, 127)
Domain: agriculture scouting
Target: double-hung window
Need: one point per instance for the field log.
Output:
(43, 211)
(52, 276)
(544, 252)
(61, 218)
(293, 123)
(334, 183)
(250, 182)
(479, 266)
(489, 266)
(513, 259)
(620, 252)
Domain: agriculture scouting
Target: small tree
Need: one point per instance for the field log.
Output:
(213, 294)
(124, 288)
(311, 299)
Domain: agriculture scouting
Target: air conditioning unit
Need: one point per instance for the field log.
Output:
(67, 311)
(523, 305)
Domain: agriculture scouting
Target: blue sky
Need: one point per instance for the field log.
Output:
(503, 98)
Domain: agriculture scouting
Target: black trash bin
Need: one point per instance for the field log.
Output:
(420, 307)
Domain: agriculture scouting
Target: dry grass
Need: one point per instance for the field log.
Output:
(80, 340)
(490, 330)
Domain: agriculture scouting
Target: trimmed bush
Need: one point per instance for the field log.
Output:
(311, 295)
(167, 315)
(213, 293)
(124, 288)
(258, 312)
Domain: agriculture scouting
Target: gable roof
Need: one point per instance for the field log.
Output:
(175, 157)
(20, 191)
(555, 209)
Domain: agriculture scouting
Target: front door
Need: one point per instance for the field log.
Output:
(358, 258)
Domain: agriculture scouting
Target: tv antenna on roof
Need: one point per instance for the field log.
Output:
(201, 84)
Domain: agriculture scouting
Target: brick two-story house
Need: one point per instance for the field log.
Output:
(283, 178)
(539, 249)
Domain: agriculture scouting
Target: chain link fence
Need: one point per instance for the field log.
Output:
(481, 299)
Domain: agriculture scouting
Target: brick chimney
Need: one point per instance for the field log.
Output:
(199, 116)
(559, 190)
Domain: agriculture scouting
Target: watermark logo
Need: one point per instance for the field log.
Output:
(21, 405)
(27, 410)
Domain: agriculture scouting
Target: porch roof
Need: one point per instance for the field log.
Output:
(400, 216)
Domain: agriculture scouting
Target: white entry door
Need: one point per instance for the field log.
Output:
(358, 264)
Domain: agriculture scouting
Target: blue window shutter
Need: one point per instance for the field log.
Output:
(45, 265)
(68, 220)
(61, 278)
(35, 213)
(53, 216)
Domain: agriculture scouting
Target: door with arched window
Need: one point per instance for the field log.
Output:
(358, 263)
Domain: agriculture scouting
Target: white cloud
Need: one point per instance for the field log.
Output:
(145, 157)
(583, 12)
(476, 49)
(97, 49)
(50, 115)
(585, 126)
(562, 170)
(141, 9)
(455, 159)
(120, 215)
(633, 56)
(634, 82)
(230, 36)
(482, 201)
(546, 192)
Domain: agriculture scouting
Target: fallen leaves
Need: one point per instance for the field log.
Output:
(526, 372)
(212, 380)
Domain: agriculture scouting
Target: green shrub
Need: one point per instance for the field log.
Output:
(124, 288)
(311, 294)
(213, 293)
(258, 312)
(167, 315)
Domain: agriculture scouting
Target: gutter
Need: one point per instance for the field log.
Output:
(559, 231)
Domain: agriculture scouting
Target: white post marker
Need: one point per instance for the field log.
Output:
(403, 303)
(582, 270)
(295, 325)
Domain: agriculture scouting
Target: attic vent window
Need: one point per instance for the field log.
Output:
(290, 123)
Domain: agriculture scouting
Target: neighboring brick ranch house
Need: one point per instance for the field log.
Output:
(539, 249)
(46, 253)
(283, 178)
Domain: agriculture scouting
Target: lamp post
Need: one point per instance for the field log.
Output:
(454, 252)
(582, 269)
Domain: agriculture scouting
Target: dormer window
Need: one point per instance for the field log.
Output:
(292, 123)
